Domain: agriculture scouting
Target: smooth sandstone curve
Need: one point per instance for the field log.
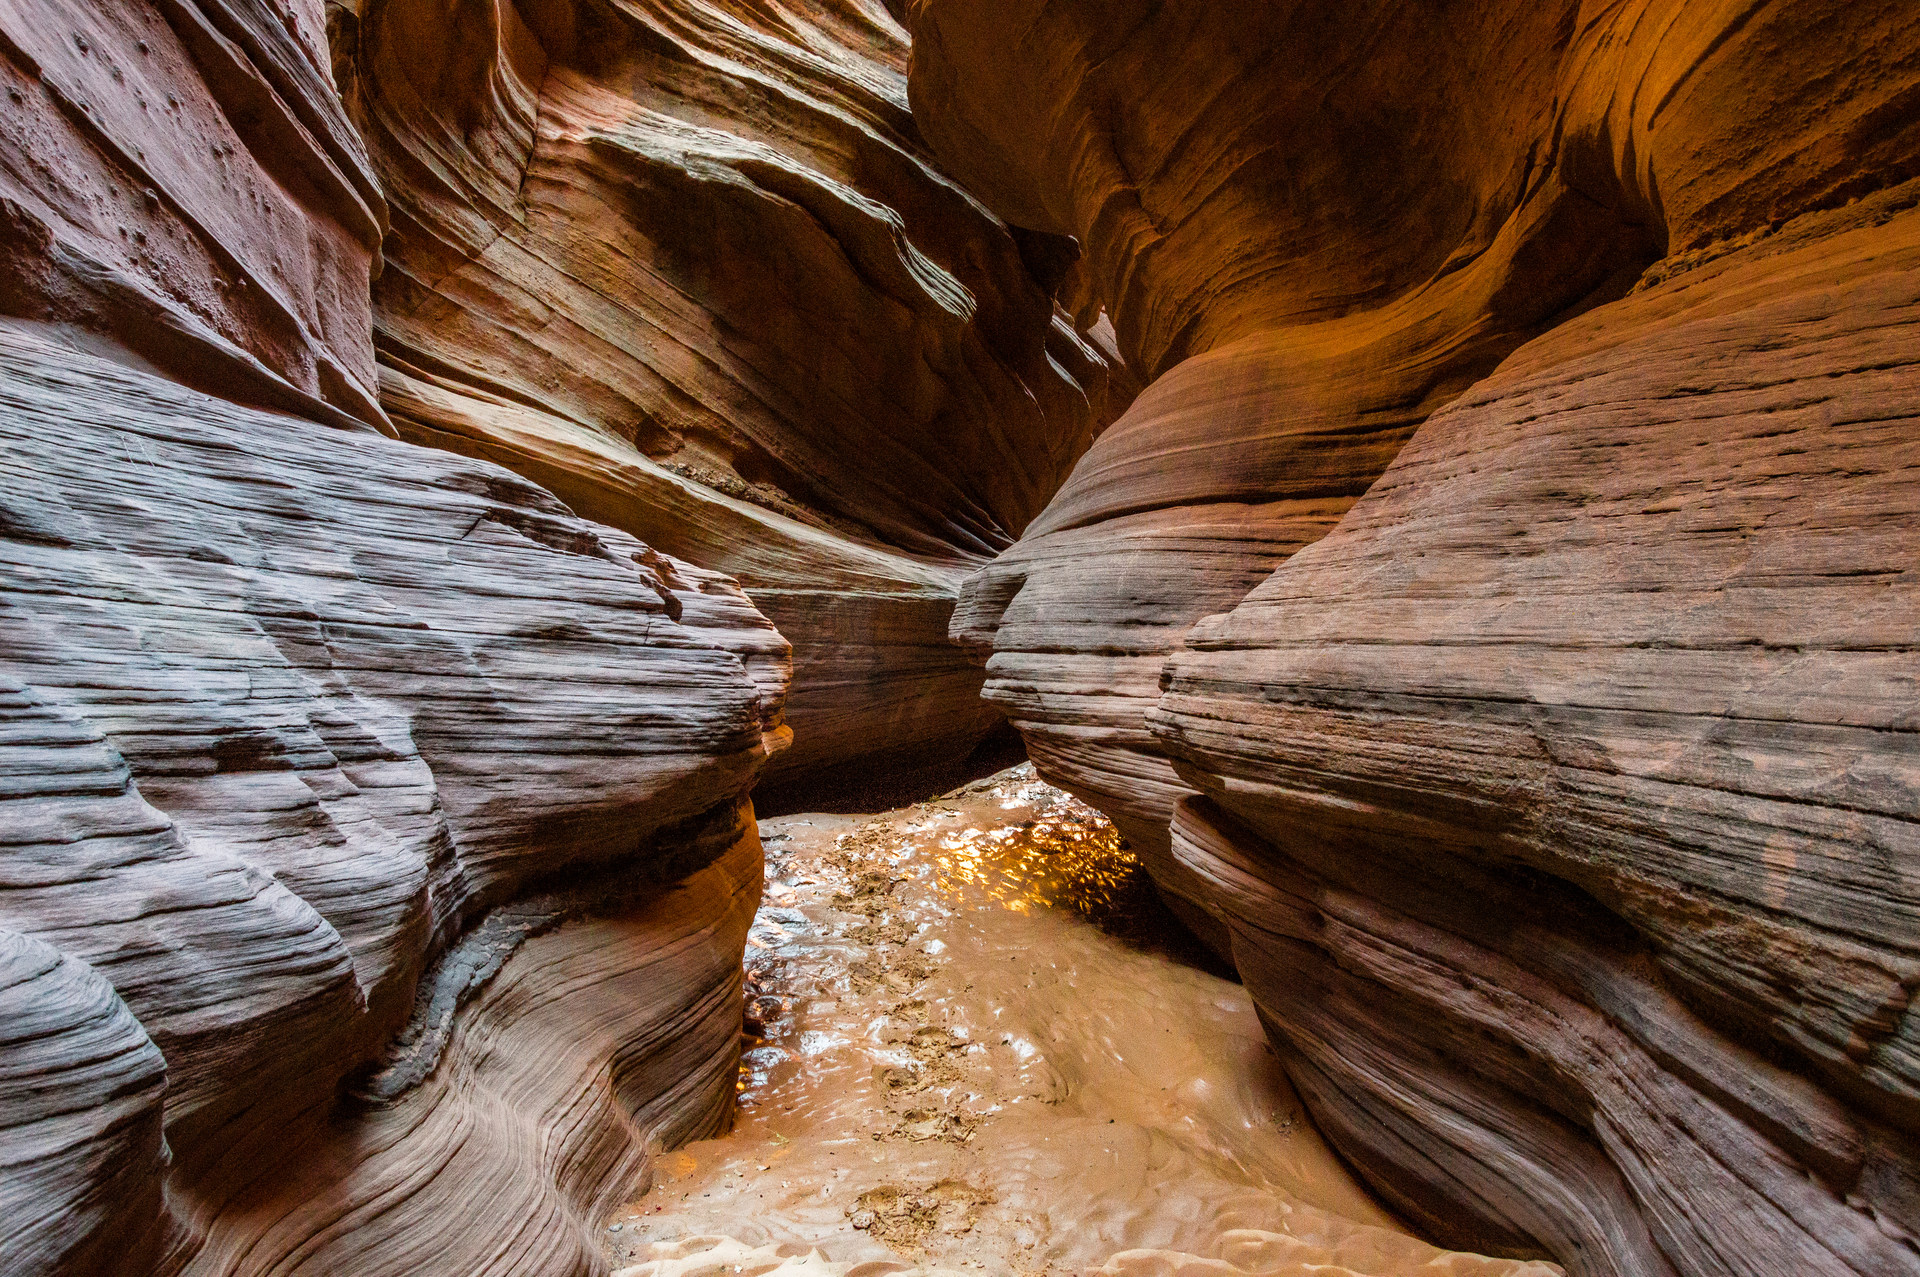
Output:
(1677, 514)
(690, 267)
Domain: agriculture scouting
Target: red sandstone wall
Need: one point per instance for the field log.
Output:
(1531, 432)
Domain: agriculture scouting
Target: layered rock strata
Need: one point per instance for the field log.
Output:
(1555, 799)
(1307, 282)
(596, 1046)
(1569, 784)
(180, 181)
(689, 266)
(375, 827)
(304, 731)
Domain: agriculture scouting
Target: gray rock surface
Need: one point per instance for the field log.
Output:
(289, 710)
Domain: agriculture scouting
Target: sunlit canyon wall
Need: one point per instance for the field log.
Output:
(690, 266)
(1496, 619)
(456, 451)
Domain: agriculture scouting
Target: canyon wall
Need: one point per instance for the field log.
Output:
(690, 267)
(376, 828)
(1495, 624)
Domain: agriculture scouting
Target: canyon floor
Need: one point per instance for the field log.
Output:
(976, 1043)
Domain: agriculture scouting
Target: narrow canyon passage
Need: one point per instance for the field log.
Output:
(1436, 481)
(977, 1042)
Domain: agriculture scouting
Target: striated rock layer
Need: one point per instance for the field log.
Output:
(594, 1048)
(1312, 246)
(1561, 801)
(373, 828)
(1546, 765)
(689, 266)
(303, 733)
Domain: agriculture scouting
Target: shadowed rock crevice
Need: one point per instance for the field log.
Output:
(692, 268)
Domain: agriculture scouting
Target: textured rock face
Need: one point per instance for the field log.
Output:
(376, 829)
(689, 266)
(82, 1119)
(1557, 805)
(595, 1047)
(180, 180)
(302, 733)
(1494, 624)
(1587, 739)
(327, 762)
(1308, 282)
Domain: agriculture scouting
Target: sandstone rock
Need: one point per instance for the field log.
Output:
(689, 266)
(1572, 782)
(285, 713)
(83, 1083)
(179, 180)
(596, 1046)
(1493, 625)
(1300, 334)
(1556, 804)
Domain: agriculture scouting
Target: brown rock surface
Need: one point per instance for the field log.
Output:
(1572, 783)
(596, 1046)
(689, 266)
(180, 181)
(84, 1152)
(1308, 282)
(1558, 804)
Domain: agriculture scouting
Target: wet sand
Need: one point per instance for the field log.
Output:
(977, 1045)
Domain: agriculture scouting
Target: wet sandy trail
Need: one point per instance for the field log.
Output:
(974, 1053)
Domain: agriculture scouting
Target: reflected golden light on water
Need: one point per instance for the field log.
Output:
(1067, 857)
(1020, 846)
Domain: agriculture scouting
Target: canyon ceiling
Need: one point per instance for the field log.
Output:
(1442, 475)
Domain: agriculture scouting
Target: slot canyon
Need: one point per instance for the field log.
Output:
(1143, 638)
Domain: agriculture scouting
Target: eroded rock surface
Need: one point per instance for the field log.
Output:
(596, 1047)
(286, 714)
(180, 181)
(375, 827)
(1314, 230)
(1587, 738)
(1493, 627)
(690, 266)
(1557, 805)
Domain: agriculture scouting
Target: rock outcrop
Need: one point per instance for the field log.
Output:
(376, 833)
(305, 732)
(179, 180)
(1575, 770)
(1556, 799)
(689, 266)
